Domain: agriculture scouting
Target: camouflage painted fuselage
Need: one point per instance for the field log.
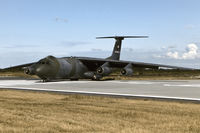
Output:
(58, 68)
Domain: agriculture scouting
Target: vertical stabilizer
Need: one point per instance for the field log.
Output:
(117, 48)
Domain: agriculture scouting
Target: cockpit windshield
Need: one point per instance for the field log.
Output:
(44, 61)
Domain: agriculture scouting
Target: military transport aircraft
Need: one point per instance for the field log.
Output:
(75, 68)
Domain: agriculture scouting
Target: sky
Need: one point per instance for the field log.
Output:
(33, 29)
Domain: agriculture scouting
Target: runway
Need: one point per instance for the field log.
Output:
(161, 89)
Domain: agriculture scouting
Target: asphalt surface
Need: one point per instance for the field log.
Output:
(163, 89)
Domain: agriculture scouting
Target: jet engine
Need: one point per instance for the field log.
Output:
(89, 74)
(104, 69)
(92, 75)
(127, 71)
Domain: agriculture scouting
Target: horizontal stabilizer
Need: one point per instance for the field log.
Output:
(122, 37)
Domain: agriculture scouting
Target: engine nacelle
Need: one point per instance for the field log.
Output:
(89, 74)
(127, 71)
(104, 70)
(92, 75)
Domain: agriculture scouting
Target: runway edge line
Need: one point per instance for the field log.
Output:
(109, 94)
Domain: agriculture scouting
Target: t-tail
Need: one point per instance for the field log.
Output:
(117, 48)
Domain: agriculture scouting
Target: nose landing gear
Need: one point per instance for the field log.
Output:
(96, 77)
(45, 80)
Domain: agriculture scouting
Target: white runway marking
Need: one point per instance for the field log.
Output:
(110, 94)
(32, 82)
(133, 82)
(4, 83)
(184, 85)
(15, 82)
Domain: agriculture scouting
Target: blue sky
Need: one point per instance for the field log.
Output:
(33, 29)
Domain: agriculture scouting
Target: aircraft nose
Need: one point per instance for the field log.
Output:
(38, 70)
(41, 71)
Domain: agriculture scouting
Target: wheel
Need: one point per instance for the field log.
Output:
(74, 79)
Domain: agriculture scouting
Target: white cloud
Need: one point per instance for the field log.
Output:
(190, 53)
(173, 55)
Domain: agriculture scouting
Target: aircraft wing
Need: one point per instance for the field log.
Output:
(18, 67)
(94, 63)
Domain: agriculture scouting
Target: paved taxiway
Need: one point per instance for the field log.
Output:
(169, 89)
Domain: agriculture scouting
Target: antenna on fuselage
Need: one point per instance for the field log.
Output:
(117, 48)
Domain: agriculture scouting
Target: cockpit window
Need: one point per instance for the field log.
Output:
(44, 62)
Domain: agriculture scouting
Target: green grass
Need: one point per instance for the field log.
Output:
(24, 111)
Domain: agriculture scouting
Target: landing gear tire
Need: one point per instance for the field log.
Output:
(45, 80)
(74, 79)
(96, 78)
